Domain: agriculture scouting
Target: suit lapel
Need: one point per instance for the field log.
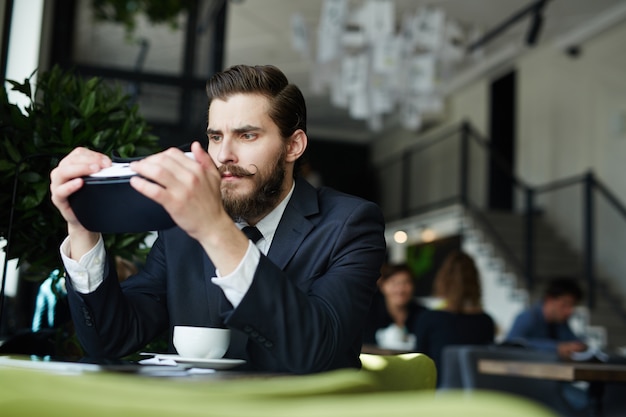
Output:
(295, 224)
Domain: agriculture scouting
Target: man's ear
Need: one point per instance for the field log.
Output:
(296, 145)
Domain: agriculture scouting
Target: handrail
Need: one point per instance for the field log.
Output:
(589, 241)
(533, 8)
(503, 164)
(615, 202)
(558, 184)
(422, 145)
(425, 208)
(464, 132)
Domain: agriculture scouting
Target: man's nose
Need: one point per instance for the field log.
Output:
(227, 152)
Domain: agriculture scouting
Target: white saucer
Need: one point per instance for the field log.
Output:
(222, 363)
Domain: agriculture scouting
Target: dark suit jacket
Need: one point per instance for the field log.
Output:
(304, 311)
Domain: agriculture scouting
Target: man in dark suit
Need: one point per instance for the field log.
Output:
(295, 300)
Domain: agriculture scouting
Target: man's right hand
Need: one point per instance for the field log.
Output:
(66, 179)
(565, 349)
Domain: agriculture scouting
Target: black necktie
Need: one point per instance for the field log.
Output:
(252, 233)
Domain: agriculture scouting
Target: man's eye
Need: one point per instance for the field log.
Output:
(249, 136)
(215, 138)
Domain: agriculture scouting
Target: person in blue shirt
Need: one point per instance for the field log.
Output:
(544, 326)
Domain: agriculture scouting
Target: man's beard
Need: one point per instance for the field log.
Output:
(263, 198)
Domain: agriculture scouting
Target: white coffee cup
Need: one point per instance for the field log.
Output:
(201, 342)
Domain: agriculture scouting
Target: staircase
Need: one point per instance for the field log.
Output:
(504, 286)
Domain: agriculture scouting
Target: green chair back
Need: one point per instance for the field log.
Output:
(403, 372)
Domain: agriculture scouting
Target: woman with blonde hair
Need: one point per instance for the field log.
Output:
(461, 319)
(457, 284)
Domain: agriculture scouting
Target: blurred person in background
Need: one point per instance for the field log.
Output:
(392, 321)
(460, 320)
(544, 326)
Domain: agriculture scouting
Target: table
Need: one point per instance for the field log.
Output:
(597, 374)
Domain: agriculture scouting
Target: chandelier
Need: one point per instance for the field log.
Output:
(378, 67)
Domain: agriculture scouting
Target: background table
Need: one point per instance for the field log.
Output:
(597, 374)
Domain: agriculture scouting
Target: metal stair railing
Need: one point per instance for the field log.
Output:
(467, 139)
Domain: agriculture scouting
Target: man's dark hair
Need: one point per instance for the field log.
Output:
(287, 105)
(564, 286)
(288, 109)
(389, 270)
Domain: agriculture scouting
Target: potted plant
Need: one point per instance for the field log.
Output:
(65, 111)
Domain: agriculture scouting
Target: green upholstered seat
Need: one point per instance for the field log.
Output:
(373, 392)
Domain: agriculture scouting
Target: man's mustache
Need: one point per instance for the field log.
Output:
(236, 170)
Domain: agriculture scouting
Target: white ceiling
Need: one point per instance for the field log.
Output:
(259, 32)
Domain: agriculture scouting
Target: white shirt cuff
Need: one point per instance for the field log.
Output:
(88, 273)
(236, 284)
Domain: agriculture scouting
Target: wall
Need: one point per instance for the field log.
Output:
(572, 119)
(2, 13)
(567, 104)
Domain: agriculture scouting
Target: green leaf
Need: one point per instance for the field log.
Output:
(75, 123)
(92, 83)
(97, 139)
(125, 128)
(66, 133)
(41, 191)
(55, 108)
(18, 119)
(14, 154)
(30, 202)
(126, 150)
(23, 88)
(87, 104)
(30, 177)
(7, 166)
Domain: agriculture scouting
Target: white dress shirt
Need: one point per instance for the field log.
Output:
(87, 273)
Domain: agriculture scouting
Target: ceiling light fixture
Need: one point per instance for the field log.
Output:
(381, 69)
(400, 237)
(428, 235)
